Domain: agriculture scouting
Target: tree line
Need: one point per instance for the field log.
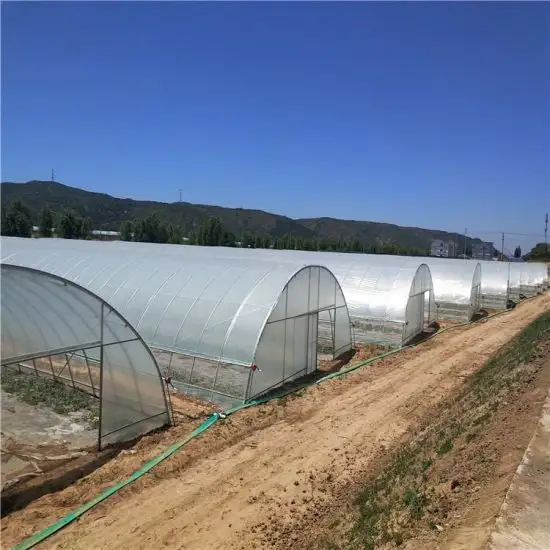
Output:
(212, 233)
(17, 222)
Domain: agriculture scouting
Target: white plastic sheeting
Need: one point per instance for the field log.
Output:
(524, 280)
(542, 275)
(496, 285)
(390, 298)
(214, 317)
(457, 287)
(535, 278)
(44, 316)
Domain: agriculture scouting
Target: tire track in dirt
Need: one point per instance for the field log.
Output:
(251, 493)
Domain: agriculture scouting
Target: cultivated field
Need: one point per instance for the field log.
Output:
(286, 474)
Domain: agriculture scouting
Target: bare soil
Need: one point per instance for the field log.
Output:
(251, 480)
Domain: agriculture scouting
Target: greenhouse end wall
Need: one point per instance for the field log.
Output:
(457, 288)
(390, 299)
(44, 316)
(496, 292)
(310, 314)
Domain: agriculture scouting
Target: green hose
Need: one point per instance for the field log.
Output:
(35, 539)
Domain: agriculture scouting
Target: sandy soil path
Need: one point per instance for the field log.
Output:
(248, 494)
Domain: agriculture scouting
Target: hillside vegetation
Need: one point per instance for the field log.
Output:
(107, 212)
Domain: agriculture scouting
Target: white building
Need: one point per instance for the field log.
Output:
(443, 249)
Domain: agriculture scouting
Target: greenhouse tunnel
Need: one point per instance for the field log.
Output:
(392, 284)
(542, 275)
(457, 287)
(523, 280)
(390, 298)
(225, 329)
(533, 280)
(497, 289)
(54, 328)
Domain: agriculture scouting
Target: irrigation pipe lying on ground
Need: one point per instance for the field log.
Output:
(35, 539)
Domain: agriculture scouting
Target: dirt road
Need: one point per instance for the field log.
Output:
(249, 492)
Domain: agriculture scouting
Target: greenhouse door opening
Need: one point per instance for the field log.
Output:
(430, 316)
(419, 315)
(291, 348)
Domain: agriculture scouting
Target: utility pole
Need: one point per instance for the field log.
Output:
(180, 195)
(465, 234)
(53, 175)
(502, 249)
(545, 234)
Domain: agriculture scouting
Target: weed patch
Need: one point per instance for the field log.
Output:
(36, 390)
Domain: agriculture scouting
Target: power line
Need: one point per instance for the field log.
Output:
(506, 233)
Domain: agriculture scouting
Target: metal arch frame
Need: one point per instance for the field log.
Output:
(409, 296)
(476, 307)
(276, 303)
(103, 304)
(469, 286)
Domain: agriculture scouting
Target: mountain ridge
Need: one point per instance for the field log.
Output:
(108, 212)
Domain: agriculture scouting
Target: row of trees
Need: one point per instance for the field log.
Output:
(539, 253)
(17, 222)
(153, 230)
(212, 233)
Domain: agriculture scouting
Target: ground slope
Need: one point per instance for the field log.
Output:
(248, 482)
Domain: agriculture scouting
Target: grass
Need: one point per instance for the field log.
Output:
(384, 512)
(37, 390)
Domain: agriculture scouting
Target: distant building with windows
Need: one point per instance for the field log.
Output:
(483, 251)
(443, 249)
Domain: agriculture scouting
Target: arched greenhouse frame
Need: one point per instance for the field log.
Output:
(225, 330)
(54, 328)
(390, 298)
(457, 287)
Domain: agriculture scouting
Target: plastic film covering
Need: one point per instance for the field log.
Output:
(44, 315)
(457, 287)
(311, 308)
(522, 280)
(203, 313)
(390, 298)
(534, 278)
(542, 275)
(495, 284)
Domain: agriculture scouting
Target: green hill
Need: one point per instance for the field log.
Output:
(109, 212)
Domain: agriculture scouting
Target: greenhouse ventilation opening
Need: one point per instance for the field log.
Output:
(54, 328)
(225, 330)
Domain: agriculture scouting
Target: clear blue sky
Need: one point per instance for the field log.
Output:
(435, 115)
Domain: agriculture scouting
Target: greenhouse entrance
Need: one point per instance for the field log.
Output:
(420, 315)
(303, 341)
